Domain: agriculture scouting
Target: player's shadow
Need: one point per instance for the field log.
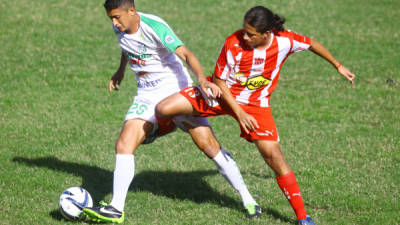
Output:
(172, 184)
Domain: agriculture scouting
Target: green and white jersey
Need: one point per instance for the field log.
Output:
(150, 54)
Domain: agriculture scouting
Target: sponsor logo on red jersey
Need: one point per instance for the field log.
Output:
(259, 61)
(253, 82)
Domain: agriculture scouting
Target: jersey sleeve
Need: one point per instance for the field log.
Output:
(300, 42)
(221, 69)
(164, 33)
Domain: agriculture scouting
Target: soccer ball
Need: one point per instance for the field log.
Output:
(72, 201)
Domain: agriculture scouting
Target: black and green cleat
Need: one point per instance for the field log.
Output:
(252, 210)
(105, 213)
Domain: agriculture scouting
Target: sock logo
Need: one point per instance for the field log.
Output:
(296, 194)
(287, 194)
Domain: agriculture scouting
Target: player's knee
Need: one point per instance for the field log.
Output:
(209, 146)
(163, 110)
(122, 148)
(276, 160)
(270, 150)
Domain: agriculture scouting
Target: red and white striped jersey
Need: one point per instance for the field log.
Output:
(252, 74)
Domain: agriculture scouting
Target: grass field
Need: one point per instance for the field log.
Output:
(58, 122)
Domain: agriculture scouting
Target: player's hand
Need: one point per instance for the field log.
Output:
(347, 74)
(247, 122)
(215, 90)
(115, 81)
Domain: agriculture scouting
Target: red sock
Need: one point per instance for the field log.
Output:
(291, 190)
(165, 125)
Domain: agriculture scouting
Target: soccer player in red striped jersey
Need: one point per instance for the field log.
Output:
(247, 72)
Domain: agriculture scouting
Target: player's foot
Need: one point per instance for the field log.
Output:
(252, 210)
(105, 213)
(307, 221)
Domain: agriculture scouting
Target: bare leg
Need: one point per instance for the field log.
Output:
(205, 140)
(273, 156)
(132, 134)
(174, 105)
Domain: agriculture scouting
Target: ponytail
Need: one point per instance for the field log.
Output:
(278, 22)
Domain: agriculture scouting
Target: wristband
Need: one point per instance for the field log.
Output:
(338, 66)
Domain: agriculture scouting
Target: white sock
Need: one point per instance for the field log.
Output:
(228, 168)
(123, 176)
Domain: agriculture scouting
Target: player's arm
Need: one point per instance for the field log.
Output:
(187, 56)
(322, 51)
(245, 120)
(118, 76)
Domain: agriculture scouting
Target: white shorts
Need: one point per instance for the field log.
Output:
(143, 107)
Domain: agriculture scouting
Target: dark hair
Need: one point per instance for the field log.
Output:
(264, 19)
(115, 4)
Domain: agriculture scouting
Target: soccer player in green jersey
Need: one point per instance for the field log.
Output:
(154, 54)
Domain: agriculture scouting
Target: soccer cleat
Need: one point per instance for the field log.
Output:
(252, 210)
(105, 213)
(307, 221)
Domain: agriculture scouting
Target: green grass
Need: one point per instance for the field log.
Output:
(58, 122)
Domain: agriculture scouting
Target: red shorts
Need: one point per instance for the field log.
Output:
(266, 131)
